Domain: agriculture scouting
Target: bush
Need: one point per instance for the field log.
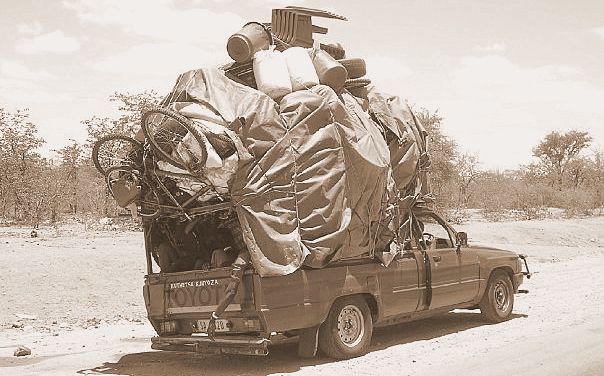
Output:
(578, 202)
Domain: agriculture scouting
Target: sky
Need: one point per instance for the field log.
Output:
(502, 74)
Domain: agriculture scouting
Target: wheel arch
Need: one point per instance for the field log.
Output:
(369, 298)
(508, 270)
(483, 288)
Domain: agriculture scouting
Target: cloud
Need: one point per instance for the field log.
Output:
(159, 20)
(33, 28)
(599, 31)
(53, 42)
(503, 109)
(14, 70)
(497, 77)
(386, 72)
(492, 48)
(157, 65)
(23, 87)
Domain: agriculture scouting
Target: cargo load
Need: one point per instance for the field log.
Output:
(287, 174)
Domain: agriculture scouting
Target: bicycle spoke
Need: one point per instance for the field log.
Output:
(116, 150)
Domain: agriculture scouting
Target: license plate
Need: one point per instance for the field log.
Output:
(221, 325)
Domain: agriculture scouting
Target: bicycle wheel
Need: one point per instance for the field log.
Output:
(116, 150)
(174, 138)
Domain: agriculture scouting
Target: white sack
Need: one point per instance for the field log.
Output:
(301, 69)
(272, 76)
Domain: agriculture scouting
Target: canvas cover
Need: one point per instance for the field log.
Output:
(319, 174)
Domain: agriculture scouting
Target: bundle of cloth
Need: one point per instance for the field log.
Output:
(317, 176)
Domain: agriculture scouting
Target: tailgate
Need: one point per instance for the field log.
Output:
(189, 298)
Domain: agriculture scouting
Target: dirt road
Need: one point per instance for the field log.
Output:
(78, 298)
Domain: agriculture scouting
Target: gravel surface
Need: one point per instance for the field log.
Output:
(76, 300)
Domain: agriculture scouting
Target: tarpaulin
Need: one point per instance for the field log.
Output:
(317, 172)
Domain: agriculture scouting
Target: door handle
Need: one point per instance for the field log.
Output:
(437, 258)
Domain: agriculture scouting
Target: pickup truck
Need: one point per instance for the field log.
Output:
(333, 309)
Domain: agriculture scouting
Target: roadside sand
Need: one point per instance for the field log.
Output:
(84, 290)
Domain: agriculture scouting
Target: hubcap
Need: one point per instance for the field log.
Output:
(351, 326)
(502, 296)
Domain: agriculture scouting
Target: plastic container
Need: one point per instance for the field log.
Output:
(301, 69)
(272, 75)
(252, 38)
(330, 72)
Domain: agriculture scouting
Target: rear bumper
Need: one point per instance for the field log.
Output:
(220, 345)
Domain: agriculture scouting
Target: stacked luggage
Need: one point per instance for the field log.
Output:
(287, 154)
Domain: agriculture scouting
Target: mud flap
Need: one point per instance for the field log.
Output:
(308, 342)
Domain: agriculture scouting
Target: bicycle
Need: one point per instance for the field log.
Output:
(153, 191)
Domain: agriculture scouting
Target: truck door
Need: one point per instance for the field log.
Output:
(444, 268)
(454, 275)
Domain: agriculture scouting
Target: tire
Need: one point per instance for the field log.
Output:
(360, 92)
(166, 136)
(335, 50)
(498, 300)
(355, 67)
(347, 331)
(355, 83)
(116, 150)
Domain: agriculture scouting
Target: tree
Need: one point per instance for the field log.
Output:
(467, 168)
(20, 164)
(443, 153)
(557, 151)
(128, 123)
(131, 106)
(72, 157)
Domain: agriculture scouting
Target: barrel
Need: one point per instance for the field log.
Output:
(252, 38)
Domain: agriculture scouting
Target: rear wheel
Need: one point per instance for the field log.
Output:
(498, 299)
(347, 331)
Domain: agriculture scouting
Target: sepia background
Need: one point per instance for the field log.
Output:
(511, 93)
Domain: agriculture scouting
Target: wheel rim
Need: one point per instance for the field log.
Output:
(502, 296)
(351, 326)
(175, 138)
(116, 151)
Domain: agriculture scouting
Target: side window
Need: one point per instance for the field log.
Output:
(442, 238)
(426, 232)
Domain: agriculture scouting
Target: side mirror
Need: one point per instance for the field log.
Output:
(461, 239)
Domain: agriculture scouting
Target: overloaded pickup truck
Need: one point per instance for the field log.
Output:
(333, 309)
